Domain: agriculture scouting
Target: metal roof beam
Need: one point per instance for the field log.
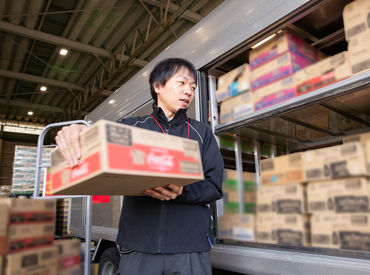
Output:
(31, 106)
(188, 15)
(60, 41)
(40, 80)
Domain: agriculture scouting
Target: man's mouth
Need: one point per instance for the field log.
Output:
(185, 100)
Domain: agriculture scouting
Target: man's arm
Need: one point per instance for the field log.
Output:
(209, 189)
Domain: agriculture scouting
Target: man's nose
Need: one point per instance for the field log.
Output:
(188, 90)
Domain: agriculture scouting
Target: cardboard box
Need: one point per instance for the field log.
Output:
(237, 226)
(345, 231)
(359, 53)
(351, 195)
(231, 192)
(265, 228)
(233, 83)
(236, 107)
(292, 229)
(37, 261)
(355, 18)
(284, 169)
(315, 116)
(341, 161)
(275, 93)
(150, 159)
(4, 217)
(323, 73)
(281, 199)
(280, 44)
(69, 254)
(355, 102)
(278, 68)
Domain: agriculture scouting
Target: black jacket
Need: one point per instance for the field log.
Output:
(183, 224)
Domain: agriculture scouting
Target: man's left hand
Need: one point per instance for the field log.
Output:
(169, 192)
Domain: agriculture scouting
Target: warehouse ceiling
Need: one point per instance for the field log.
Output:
(108, 41)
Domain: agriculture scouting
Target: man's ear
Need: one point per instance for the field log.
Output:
(157, 87)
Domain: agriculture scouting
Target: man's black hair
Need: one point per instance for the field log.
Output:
(167, 68)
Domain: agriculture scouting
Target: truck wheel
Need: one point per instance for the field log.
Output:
(109, 261)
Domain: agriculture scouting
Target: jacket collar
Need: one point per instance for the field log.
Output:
(159, 115)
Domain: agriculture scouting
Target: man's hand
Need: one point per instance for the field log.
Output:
(169, 192)
(68, 141)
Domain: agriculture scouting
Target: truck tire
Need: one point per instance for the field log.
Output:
(109, 261)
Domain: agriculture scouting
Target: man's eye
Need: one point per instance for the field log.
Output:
(193, 88)
(181, 82)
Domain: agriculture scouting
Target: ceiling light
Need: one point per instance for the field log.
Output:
(43, 88)
(111, 101)
(63, 51)
(30, 113)
(263, 41)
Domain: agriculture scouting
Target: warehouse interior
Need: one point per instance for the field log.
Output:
(284, 87)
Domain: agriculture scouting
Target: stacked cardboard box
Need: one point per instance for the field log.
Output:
(69, 257)
(273, 64)
(233, 83)
(323, 73)
(340, 213)
(28, 233)
(347, 160)
(357, 31)
(24, 168)
(234, 93)
(281, 215)
(231, 192)
(62, 217)
(237, 226)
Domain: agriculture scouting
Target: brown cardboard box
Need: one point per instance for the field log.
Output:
(291, 229)
(18, 206)
(233, 83)
(365, 141)
(237, 226)
(281, 199)
(359, 53)
(37, 261)
(231, 192)
(355, 18)
(122, 160)
(323, 73)
(69, 252)
(265, 228)
(345, 231)
(283, 169)
(3, 228)
(278, 45)
(333, 162)
(236, 107)
(276, 92)
(351, 195)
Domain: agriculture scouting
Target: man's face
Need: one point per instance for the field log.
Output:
(177, 93)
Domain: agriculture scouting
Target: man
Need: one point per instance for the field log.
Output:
(169, 230)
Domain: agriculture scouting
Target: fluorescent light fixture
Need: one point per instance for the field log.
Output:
(63, 51)
(111, 101)
(43, 88)
(263, 41)
(30, 113)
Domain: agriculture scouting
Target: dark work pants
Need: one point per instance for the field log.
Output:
(137, 263)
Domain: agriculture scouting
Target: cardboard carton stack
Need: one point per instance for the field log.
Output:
(151, 159)
(69, 257)
(234, 94)
(281, 215)
(27, 229)
(235, 224)
(357, 32)
(24, 169)
(337, 193)
(272, 66)
(62, 217)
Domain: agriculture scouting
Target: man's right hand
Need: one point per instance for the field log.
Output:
(68, 141)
